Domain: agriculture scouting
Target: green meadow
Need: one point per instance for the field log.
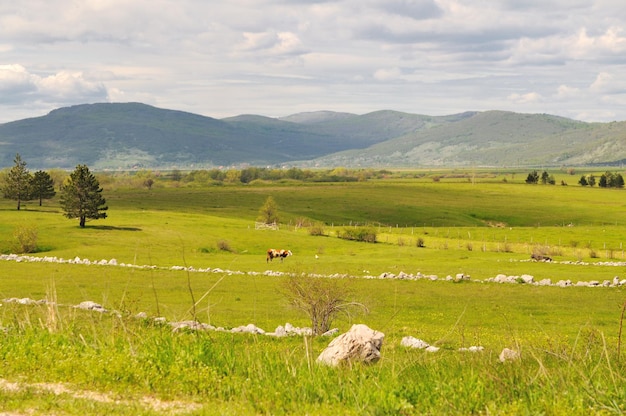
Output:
(61, 360)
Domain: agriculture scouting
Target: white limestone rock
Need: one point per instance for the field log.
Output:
(360, 343)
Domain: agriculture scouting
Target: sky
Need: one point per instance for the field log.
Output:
(280, 57)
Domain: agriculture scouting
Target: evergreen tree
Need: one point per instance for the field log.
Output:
(533, 177)
(545, 176)
(619, 181)
(583, 181)
(591, 180)
(18, 182)
(604, 181)
(42, 186)
(81, 196)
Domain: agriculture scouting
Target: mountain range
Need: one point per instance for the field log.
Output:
(138, 136)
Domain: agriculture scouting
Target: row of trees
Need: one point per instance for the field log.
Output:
(80, 197)
(21, 185)
(606, 180)
(546, 178)
(247, 175)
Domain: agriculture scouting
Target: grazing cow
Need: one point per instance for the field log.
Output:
(272, 253)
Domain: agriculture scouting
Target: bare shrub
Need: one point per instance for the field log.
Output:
(420, 242)
(303, 222)
(593, 254)
(224, 245)
(322, 299)
(541, 251)
(556, 251)
(25, 238)
(470, 247)
(401, 242)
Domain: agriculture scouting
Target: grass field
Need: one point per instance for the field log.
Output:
(59, 360)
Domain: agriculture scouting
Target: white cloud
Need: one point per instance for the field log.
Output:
(18, 86)
(215, 58)
(565, 92)
(388, 74)
(528, 98)
(609, 83)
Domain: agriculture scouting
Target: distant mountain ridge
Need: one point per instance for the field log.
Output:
(136, 136)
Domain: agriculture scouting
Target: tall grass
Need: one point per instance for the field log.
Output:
(130, 360)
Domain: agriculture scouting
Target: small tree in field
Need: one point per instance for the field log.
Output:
(81, 196)
(268, 213)
(321, 299)
(17, 185)
(42, 186)
(25, 238)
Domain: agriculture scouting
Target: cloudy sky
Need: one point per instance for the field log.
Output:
(279, 57)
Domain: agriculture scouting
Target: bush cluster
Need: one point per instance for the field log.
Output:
(365, 234)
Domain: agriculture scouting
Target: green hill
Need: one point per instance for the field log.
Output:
(134, 135)
(495, 138)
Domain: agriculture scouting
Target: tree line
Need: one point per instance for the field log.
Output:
(80, 194)
(606, 180)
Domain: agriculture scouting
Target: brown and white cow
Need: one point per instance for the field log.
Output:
(272, 253)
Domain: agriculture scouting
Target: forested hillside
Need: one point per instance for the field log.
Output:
(136, 136)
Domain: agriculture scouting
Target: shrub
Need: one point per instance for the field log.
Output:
(25, 238)
(364, 234)
(420, 242)
(320, 298)
(224, 245)
(316, 229)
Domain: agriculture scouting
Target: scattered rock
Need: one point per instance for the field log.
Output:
(288, 330)
(412, 342)
(330, 332)
(91, 306)
(192, 325)
(250, 329)
(473, 348)
(25, 301)
(501, 278)
(360, 343)
(508, 354)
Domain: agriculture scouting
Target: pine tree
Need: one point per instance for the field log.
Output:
(591, 180)
(18, 182)
(533, 177)
(81, 196)
(42, 186)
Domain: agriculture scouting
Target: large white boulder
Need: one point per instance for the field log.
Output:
(360, 343)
